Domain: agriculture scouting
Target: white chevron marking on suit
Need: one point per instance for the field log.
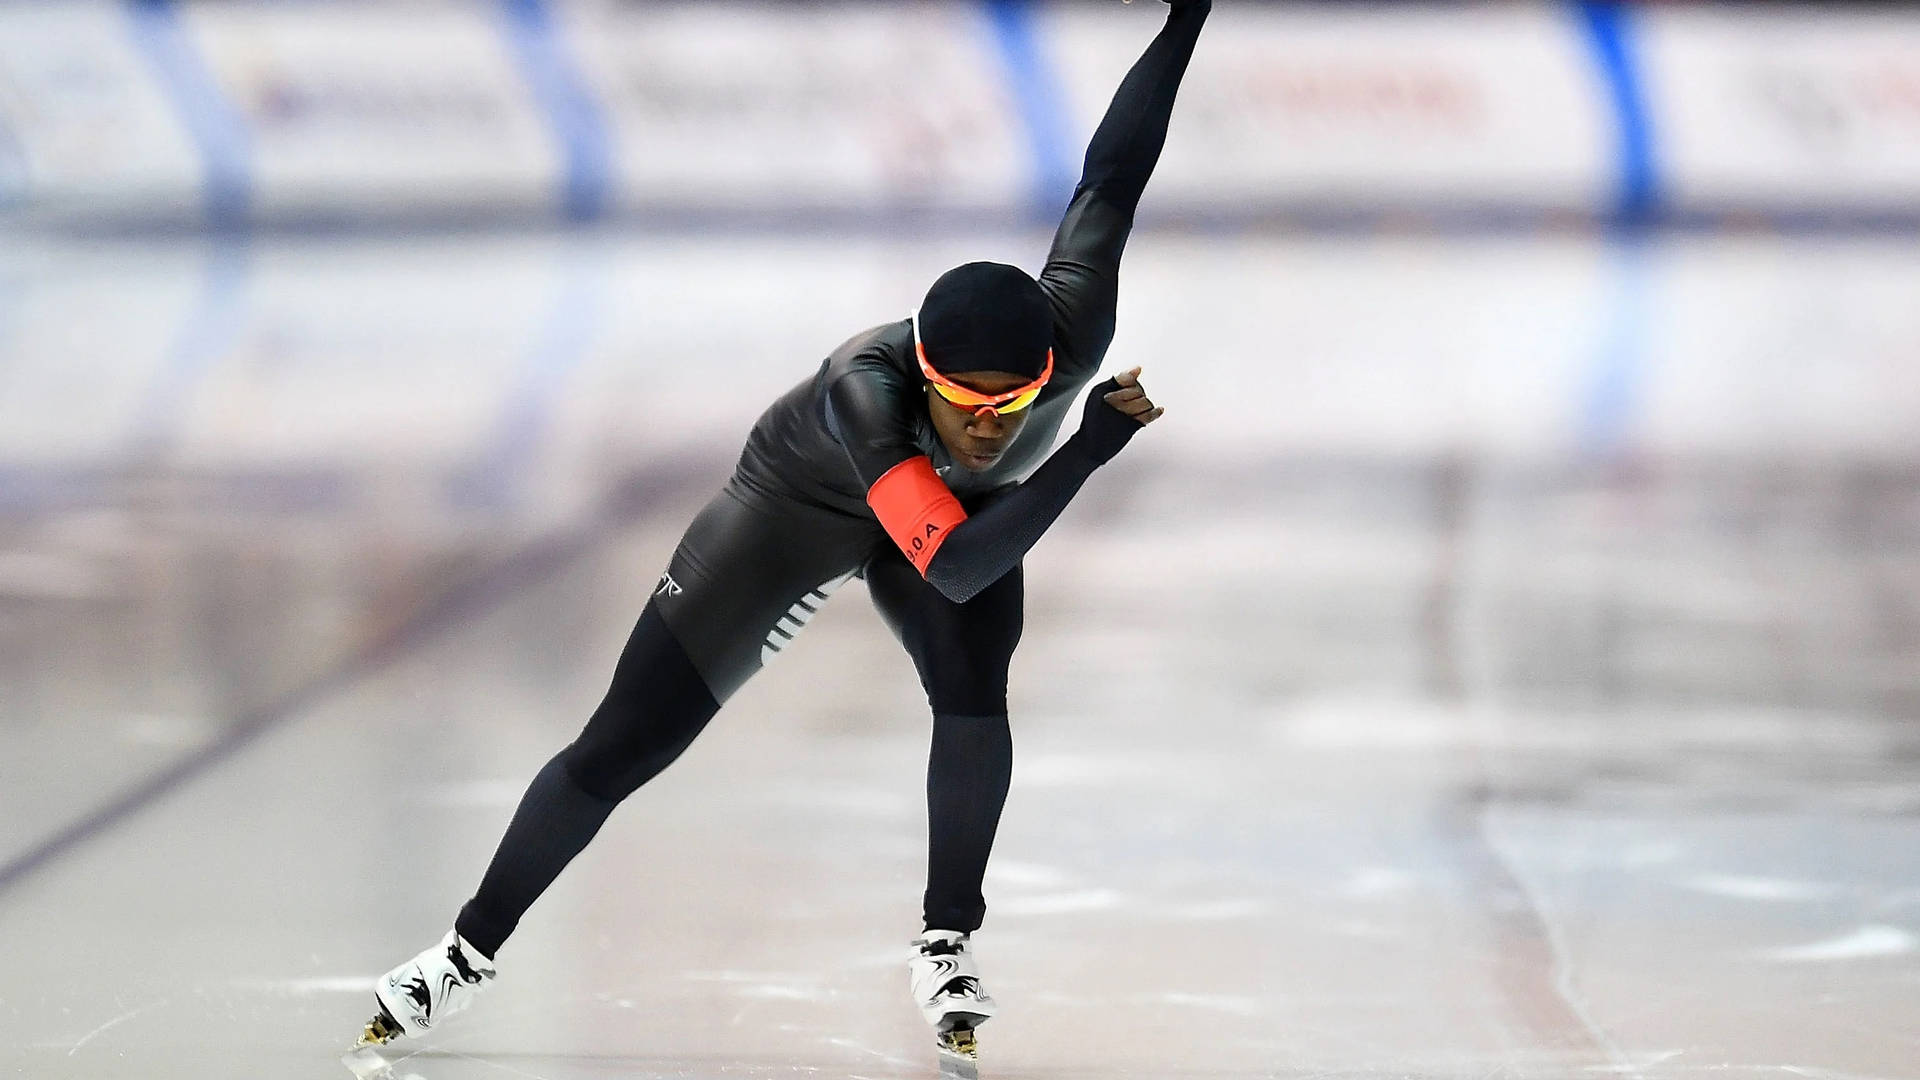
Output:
(797, 617)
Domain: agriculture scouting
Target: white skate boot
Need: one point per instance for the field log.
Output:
(427, 989)
(945, 982)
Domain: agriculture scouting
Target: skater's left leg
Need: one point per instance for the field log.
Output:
(969, 768)
(962, 653)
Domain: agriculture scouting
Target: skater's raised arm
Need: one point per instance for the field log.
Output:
(1082, 272)
(1126, 146)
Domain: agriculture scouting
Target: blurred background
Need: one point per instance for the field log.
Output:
(1503, 660)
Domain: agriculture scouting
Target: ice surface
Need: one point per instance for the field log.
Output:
(1500, 663)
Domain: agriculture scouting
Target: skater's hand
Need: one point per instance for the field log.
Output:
(1131, 398)
(1115, 411)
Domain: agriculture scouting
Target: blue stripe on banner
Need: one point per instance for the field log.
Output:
(216, 127)
(1611, 31)
(1037, 90)
(578, 124)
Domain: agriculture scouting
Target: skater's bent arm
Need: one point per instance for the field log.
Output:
(961, 555)
(1082, 272)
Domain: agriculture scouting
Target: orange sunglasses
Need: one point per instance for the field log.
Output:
(965, 398)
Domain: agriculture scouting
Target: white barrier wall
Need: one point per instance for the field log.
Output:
(1783, 108)
(85, 127)
(304, 110)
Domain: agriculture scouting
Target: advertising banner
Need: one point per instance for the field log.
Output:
(1299, 107)
(347, 113)
(837, 106)
(1782, 107)
(84, 126)
(413, 109)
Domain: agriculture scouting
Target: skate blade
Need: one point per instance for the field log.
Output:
(365, 1063)
(959, 1055)
(958, 1068)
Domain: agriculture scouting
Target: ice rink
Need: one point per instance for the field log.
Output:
(1503, 661)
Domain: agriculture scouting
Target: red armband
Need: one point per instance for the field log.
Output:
(916, 509)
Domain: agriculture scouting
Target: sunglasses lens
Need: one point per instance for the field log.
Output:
(1021, 402)
(958, 398)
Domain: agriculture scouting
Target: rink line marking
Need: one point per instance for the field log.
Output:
(1864, 943)
(1816, 1073)
(457, 606)
(114, 1023)
(1466, 563)
(1760, 889)
(1563, 981)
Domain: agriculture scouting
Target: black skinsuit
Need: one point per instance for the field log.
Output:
(793, 523)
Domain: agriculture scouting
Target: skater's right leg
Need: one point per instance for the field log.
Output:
(654, 709)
